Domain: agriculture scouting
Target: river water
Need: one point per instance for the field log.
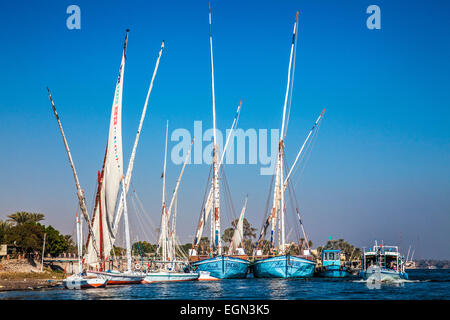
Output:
(422, 284)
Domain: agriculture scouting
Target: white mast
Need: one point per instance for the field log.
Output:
(79, 243)
(164, 234)
(133, 153)
(208, 205)
(127, 227)
(217, 243)
(164, 220)
(278, 197)
(282, 133)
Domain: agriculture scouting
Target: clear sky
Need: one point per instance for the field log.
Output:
(379, 168)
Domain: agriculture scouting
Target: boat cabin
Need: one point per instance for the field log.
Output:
(387, 257)
(331, 257)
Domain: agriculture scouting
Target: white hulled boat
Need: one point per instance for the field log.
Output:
(383, 264)
(80, 280)
(169, 268)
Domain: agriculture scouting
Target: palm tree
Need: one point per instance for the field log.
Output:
(228, 235)
(21, 217)
(4, 227)
(204, 244)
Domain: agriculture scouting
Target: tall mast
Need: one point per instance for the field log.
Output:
(133, 153)
(79, 243)
(111, 175)
(80, 192)
(278, 197)
(164, 220)
(282, 133)
(172, 201)
(217, 244)
(127, 227)
(209, 200)
(164, 170)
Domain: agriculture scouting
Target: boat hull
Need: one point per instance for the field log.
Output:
(78, 283)
(382, 274)
(169, 277)
(283, 267)
(224, 267)
(119, 278)
(333, 272)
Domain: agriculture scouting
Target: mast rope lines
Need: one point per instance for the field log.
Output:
(207, 200)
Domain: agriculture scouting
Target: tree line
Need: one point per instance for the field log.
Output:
(25, 234)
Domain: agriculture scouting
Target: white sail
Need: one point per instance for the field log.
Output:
(133, 153)
(110, 179)
(238, 235)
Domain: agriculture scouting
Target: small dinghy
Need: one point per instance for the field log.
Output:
(167, 276)
(77, 282)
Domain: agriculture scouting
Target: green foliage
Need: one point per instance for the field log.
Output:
(27, 237)
(143, 247)
(249, 231)
(265, 247)
(228, 235)
(4, 227)
(24, 231)
(55, 243)
(203, 245)
(249, 234)
(72, 246)
(350, 252)
(185, 248)
(118, 251)
(22, 217)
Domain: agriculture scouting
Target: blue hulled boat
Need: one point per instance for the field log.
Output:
(332, 265)
(223, 267)
(284, 266)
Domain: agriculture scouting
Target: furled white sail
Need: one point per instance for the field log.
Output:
(111, 176)
(238, 236)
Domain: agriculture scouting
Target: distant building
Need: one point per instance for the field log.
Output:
(3, 250)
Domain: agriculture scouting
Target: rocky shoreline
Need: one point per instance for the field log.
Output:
(28, 284)
(26, 275)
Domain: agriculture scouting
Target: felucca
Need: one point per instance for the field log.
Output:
(169, 268)
(216, 263)
(279, 263)
(80, 280)
(105, 218)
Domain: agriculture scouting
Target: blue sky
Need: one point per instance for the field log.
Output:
(379, 168)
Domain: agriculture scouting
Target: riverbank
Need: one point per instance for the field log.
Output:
(24, 274)
(12, 281)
